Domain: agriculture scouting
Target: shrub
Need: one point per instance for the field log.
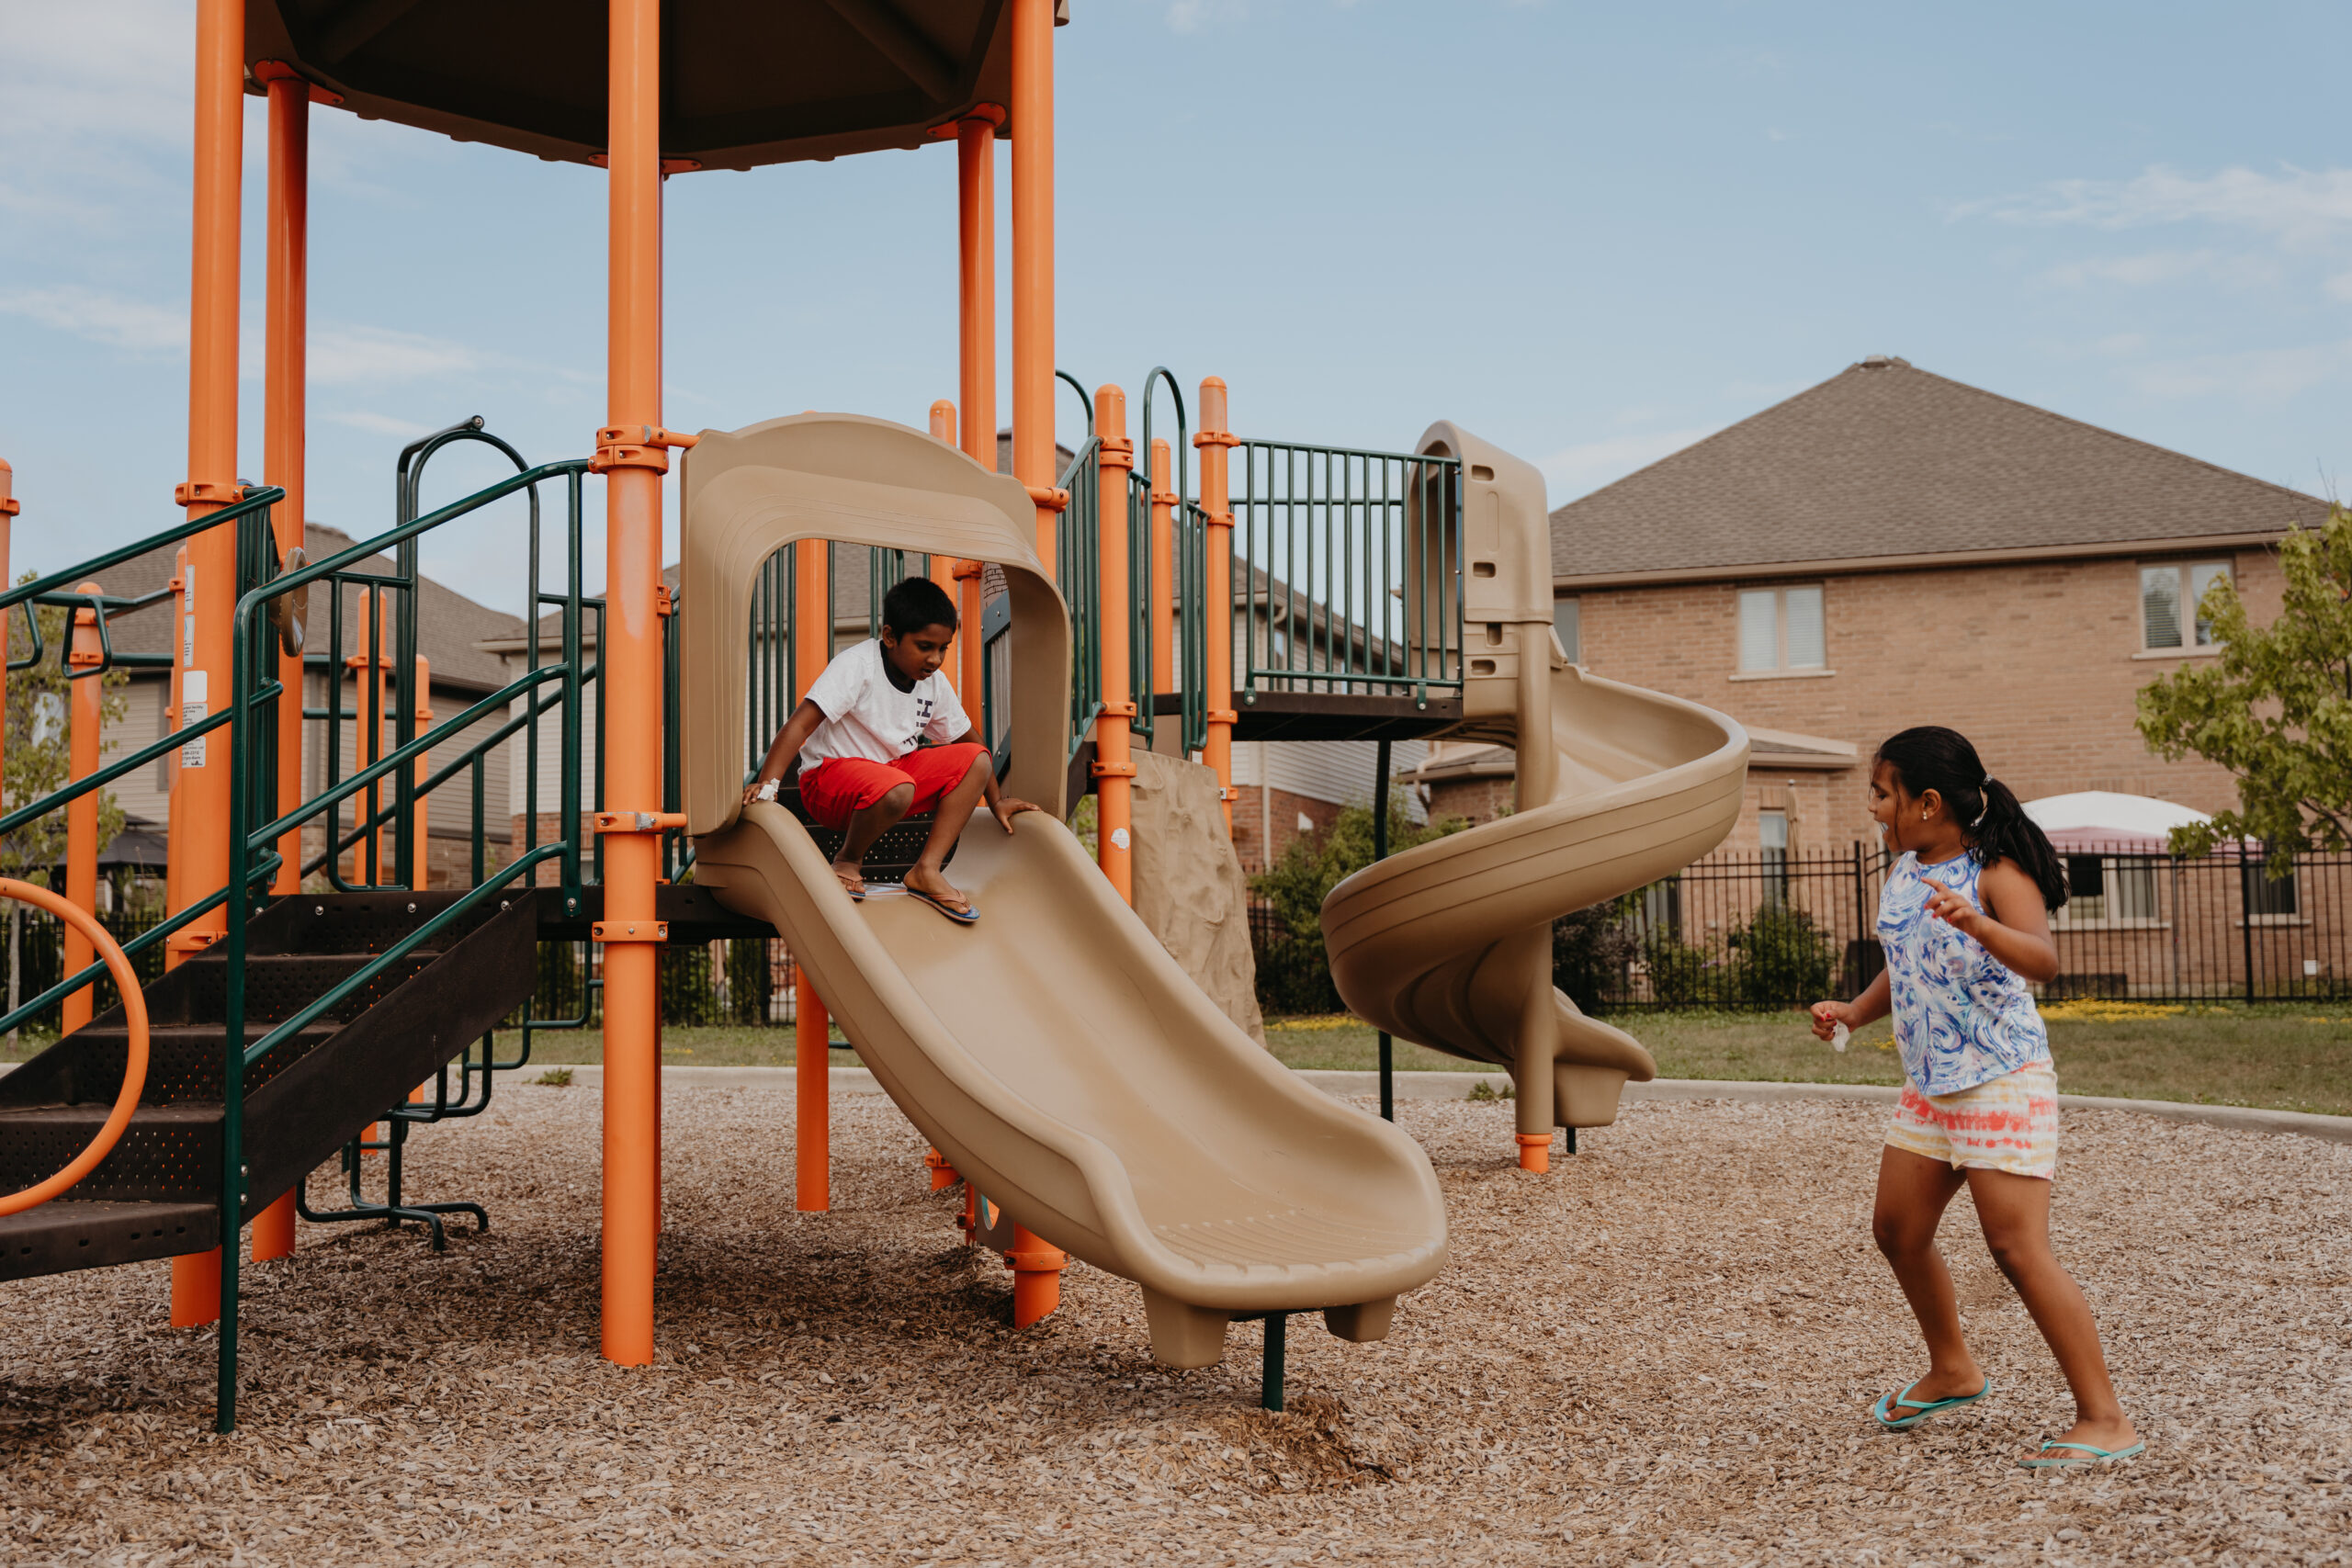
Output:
(1785, 959)
(1681, 976)
(1294, 970)
(1591, 952)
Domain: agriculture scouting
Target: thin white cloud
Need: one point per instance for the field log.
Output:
(377, 423)
(2295, 206)
(2169, 266)
(2266, 376)
(353, 355)
(1572, 471)
(135, 325)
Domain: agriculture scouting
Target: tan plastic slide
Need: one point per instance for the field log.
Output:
(1448, 944)
(1053, 1053)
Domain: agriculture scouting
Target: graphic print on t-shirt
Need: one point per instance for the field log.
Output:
(868, 715)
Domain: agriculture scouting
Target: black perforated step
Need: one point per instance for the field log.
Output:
(77, 1234)
(154, 1195)
(167, 1152)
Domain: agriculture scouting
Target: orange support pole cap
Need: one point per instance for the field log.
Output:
(1535, 1152)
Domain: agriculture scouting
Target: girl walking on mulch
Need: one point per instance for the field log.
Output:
(1965, 923)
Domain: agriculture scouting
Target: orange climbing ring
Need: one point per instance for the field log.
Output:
(134, 1013)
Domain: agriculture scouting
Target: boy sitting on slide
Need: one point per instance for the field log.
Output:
(859, 735)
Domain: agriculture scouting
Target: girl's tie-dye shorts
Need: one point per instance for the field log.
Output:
(2008, 1123)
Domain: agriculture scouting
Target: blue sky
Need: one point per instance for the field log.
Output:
(1591, 233)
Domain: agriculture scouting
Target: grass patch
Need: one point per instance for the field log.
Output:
(2280, 1056)
(2284, 1056)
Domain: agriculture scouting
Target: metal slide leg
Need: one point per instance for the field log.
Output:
(1269, 1393)
(1379, 852)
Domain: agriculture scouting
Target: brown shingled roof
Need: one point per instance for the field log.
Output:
(1884, 461)
(450, 627)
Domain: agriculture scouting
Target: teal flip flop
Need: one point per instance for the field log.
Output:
(1884, 1411)
(2087, 1454)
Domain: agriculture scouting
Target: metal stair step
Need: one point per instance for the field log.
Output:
(279, 984)
(168, 1152)
(72, 1232)
(183, 1061)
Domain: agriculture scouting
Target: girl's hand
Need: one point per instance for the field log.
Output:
(1827, 1016)
(1952, 909)
(1006, 807)
(759, 789)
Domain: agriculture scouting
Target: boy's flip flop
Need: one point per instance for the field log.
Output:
(1921, 1409)
(963, 917)
(2086, 1454)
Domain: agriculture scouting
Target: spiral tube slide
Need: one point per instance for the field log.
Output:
(1448, 944)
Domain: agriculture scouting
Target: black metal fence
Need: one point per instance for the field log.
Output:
(746, 982)
(32, 959)
(1771, 929)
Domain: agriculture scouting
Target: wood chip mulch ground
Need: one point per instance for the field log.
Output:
(1661, 1353)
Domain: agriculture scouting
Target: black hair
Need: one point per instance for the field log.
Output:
(916, 602)
(1933, 758)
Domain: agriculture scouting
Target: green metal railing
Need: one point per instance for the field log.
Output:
(1347, 571)
(256, 559)
(259, 823)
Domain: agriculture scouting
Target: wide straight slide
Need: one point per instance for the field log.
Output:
(1053, 1053)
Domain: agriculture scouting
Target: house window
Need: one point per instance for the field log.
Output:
(2169, 595)
(2267, 899)
(2109, 887)
(1662, 908)
(1779, 629)
(1567, 618)
(1772, 836)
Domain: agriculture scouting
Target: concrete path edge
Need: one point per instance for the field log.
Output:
(1458, 1085)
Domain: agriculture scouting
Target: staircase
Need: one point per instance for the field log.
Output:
(155, 1195)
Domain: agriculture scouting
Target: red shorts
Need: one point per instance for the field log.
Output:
(839, 786)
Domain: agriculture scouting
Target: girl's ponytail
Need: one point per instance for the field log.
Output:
(1932, 757)
(2004, 830)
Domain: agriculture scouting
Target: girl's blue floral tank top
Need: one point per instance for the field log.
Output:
(1961, 1017)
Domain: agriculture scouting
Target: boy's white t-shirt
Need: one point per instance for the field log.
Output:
(867, 716)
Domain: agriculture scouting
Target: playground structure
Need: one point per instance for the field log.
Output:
(1056, 1058)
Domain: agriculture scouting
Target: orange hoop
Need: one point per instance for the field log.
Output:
(134, 1013)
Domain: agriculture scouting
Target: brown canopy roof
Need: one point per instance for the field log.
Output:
(744, 82)
(1886, 462)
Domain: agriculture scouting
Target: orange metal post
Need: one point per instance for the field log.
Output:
(420, 814)
(812, 643)
(1033, 261)
(1214, 443)
(8, 510)
(371, 673)
(183, 646)
(943, 568)
(1037, 1268)
(1163, 568)
(199, 848)
(1114, 768)
(976, 338)
(86, 715)
(631, 454)
(285, 425)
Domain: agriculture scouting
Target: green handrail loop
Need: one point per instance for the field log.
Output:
(408, 484)
(1186, 609)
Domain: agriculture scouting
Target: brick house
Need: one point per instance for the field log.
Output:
(450, 629)
(1891, 548)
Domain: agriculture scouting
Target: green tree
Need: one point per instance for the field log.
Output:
(2275, 709)
(1313, 864)
(40, 752)
(39, 757)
